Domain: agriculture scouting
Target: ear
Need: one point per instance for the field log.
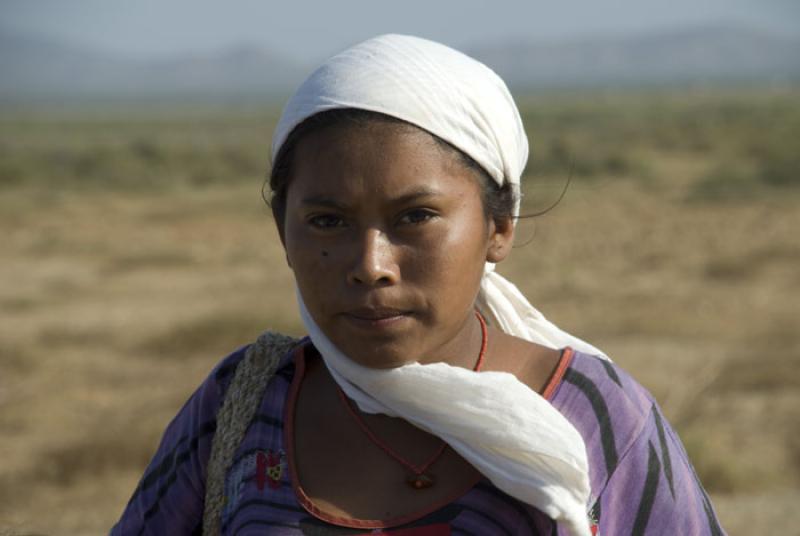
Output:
(501, 238)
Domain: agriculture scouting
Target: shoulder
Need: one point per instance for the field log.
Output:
(223, 372)
(171, 492)
(641, 478)
(604, 385)
(608, 408)
(278, 346)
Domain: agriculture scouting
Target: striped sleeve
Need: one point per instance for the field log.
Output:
(169, 497)
(641, 479)
(654, 489)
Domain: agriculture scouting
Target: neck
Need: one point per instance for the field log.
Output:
(461, 350)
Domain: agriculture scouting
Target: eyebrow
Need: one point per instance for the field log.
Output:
(408, 197)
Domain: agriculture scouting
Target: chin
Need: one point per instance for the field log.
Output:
(378, 345)
(379, 356)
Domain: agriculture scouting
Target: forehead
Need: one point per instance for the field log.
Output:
(378, 157)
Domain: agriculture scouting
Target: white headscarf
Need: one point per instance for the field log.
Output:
(507, 431)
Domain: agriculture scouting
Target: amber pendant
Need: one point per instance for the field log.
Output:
(421, 481)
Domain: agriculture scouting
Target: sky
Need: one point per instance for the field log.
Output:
(308, 32)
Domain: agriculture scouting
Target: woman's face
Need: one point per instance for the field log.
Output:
(387, 237)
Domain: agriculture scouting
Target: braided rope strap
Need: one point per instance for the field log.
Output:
(241, 402)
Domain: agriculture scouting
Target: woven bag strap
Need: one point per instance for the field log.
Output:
(241, 402)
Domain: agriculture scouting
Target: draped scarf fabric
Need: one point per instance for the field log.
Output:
(507, 431)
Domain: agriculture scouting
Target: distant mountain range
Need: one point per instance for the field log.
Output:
(695, 55)
(37, 68)
(31, 67)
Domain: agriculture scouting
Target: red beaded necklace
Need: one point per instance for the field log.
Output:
(419, 478)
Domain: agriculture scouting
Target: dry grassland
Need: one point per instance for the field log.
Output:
(137, 252)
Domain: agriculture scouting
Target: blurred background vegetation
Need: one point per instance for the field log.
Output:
(748, 140)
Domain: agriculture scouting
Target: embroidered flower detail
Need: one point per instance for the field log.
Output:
(270, 467)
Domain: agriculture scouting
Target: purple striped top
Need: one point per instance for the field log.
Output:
(641, 479)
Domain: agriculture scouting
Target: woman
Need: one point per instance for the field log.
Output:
(430, 397)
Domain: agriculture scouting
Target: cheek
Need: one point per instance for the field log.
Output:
(452, 261)
(311, 264)
(466, 239)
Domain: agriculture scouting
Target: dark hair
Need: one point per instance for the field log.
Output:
(498, 201)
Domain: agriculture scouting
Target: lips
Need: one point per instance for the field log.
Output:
(380, 318)
(376, 313)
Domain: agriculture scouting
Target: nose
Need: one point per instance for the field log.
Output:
(374, 263)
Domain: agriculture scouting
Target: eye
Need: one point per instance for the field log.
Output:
(326, 221)
(417, 216)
